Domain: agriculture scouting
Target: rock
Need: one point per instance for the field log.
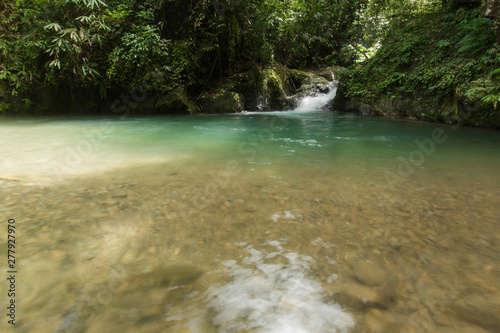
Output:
(368, 273)
(379, 321)
(459, 110)
(358, 294)
(479, 310)
(222, 102)
(275, 93)
(129, 257)
(170, 276)
(267, 89)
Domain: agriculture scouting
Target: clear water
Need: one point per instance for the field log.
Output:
(251, 222)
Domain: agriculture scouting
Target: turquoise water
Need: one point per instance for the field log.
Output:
(252, 222)
(52, 148)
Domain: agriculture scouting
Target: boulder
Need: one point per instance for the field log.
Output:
(368, 273)
(222, 102)
(265, 89)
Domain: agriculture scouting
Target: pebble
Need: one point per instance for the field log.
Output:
(423, 271)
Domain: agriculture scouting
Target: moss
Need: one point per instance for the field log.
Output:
(222, 101)
(274, 85)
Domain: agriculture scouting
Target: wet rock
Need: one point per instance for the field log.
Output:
(222, 102)
(359, 295)
(379, 321)
(128, 257)
(170, 276)
(368, 273)
(479, 310)
(395, 243)
(75, 321)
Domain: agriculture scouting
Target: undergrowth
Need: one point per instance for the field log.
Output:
(439, 55)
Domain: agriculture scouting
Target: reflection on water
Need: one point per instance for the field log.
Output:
(286, 222)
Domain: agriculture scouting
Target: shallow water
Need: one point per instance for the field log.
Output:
(251, 222)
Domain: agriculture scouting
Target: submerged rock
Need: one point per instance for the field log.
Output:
(167, 277)
(481, 311)
(266, 89)
(368, 273)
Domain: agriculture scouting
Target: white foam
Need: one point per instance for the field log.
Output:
(284, 215)
(312, 103)
(275, 298)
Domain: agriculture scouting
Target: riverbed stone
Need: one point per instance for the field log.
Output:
(379, 321)
(369, 273)
(479, 310)
(128, 257)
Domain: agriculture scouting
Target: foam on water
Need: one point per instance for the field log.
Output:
(275, 298)
(316, 103)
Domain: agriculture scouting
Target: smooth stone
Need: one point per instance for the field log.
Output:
(128, 257)
(356, 291)
(368, 273)
(170, 276)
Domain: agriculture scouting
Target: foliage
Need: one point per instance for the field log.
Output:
(168, 44)
(445, 55)
(51, 42)
(114, 43)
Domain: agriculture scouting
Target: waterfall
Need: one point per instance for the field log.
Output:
(315, 103)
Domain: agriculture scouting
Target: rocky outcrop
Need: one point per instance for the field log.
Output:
(459, 110)
(222, 102)
(266, 89)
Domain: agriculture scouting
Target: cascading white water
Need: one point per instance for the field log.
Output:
(315, 103)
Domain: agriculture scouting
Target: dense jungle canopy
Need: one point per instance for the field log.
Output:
(167, 44)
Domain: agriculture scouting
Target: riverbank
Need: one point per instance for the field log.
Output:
(441, 67)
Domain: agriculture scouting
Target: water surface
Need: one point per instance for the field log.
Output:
(252, 222)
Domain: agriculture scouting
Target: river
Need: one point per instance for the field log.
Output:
(298, 221)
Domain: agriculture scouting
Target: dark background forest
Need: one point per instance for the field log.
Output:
(392, 48)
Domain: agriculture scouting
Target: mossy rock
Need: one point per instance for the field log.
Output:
(274, 92)
(308, 83)
(222, 102)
